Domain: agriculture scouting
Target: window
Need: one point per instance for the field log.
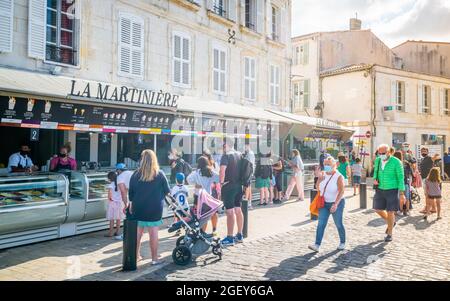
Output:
(274, 86)
(219, 70)
(296, 96)
(250, 78)
(131, 46)
(446, 107)
(220, 7)
(250, 14)
(306, 93)
(181, 60)
(398, 139)
(60, 45)
(302, 54)
(6, 25)
(275, 24)
(296, 54)
(400, 96)
(426, 100)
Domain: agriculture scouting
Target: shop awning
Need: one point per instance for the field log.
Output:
(317, 127)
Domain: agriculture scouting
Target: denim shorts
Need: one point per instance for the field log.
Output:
(356, 180)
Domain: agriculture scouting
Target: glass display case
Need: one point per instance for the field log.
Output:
(19, 190)
(89, 185)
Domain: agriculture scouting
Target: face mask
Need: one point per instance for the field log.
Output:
(328, 168)
(23, 153)
(384, 157)
(171, 157)
(62, 155)
(424, 155)
(405, 149)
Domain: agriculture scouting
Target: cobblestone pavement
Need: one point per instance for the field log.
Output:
(420, 251)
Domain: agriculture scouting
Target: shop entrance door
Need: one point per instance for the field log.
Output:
(104, 150)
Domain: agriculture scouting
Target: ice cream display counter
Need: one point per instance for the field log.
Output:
(41, 206)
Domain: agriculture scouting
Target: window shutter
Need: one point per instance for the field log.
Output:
(246, 76)
(306, 94)
(223, 74)
(125, 51)
(406, 97)
(260, 15)
(186, 74)
(306, 53)
(242, 12)
(6, 25)
(210, 4)
(253, 76)
(232, 10)
(36, 28)
(272, 84)
(137, 42)
(282, 30)
(176, 63)
(431, 102)
(393, 98)
(420, 99)
(277, 85)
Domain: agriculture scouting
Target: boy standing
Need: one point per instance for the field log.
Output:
(180, 194)
(356, 175)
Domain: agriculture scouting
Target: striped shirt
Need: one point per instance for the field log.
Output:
(391, 176)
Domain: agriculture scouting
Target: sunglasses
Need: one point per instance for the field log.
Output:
(382, 154)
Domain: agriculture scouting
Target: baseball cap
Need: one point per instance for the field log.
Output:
(121, 166)
(180, 177)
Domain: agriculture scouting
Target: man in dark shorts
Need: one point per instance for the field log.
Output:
(389, 176)
(232, 193)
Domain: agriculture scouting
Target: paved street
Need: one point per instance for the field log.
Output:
(276, 250)
(419, 252)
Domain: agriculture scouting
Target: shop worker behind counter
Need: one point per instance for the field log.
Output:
(178, 165)
(63, 161)
(21, 161)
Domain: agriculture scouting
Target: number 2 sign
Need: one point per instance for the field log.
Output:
(34, 135)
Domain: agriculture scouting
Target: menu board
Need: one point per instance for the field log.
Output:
(32, 111)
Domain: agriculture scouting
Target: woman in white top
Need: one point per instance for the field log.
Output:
(296, 179)
(331, 186)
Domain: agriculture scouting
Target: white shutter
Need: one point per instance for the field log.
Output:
(246, 78)
(441, 101)
(272, 84)
(242, 12)
(232, 10)
(269, 21)
(37, 21)
(406, 97)
(186, 74)
(420, 98)
(253, 76)
(6, 25)
(260, 15)
(393, 97)
(305, 53)
(210, 4)
(137, 43)
(282, 30)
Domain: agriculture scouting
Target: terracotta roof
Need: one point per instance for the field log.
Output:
(346, 69)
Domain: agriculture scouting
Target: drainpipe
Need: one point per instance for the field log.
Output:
(373, 113)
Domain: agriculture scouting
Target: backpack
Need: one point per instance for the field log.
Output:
(245, 168)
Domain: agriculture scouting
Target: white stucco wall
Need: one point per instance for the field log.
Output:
(99, 55)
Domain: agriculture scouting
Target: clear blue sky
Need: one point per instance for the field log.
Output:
(394, 21)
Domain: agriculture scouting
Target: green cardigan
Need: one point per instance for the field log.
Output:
(392, 176)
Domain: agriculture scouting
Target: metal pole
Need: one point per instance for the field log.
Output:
(129, 260)
(313, 194)
(363, 196)
(244, 207)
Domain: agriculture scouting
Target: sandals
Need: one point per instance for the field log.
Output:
(157, 262)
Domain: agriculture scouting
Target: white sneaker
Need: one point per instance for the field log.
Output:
(315, 248)
(341, 247)
(118, 237)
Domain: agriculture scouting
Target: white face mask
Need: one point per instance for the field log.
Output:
(171, 157)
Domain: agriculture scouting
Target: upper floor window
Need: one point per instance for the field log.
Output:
(181, 60)
(275, 24)
(219, 70)
(303, 53)
(6, 25)
(250, 14)
(274, 85)
(131, 46)
(296, 97)
(446, 104)
(60, 45)
(426, 100)
(400, 96)
(250, 78)
(220, 7)
(301, 95)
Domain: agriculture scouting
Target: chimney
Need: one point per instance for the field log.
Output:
(355, 23)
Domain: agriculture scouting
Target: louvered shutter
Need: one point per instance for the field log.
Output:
(441, 101)
(223, 73)
(36, 28)
(306, 94)
(246, 78)
(125, 45)
(282, 30)
(242, 12)
(186, 48)
(272, 84)
(137, 43)
(253, 81)
(6, 25)
(305, 53)
(260, 7)
(420, 98)
(393, 96)
(177, 59)
(407, 97)
(232, 10)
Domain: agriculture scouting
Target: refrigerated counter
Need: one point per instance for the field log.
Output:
(43, 206)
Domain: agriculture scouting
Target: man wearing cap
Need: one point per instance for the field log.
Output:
(123, 182)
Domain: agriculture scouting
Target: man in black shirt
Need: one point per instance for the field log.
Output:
(232, 192)
(425, 165)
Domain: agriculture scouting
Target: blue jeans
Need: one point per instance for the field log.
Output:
(324, 214)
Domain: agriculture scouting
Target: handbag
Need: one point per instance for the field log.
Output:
(321, 197)
(313, 208)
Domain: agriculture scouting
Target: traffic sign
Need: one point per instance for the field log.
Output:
(368, 134)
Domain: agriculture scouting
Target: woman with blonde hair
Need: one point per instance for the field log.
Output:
(148, 188)
(296, 180)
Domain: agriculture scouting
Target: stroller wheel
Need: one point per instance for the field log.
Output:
(181, 255)
(180, 240)
(217, 250)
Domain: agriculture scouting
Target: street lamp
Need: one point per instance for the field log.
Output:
(319, 109)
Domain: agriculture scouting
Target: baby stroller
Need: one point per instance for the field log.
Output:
(415, 197)
(194, 241)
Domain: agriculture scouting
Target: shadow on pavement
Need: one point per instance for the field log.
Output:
(296, 266)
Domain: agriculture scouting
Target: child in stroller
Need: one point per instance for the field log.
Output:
(195, 241)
